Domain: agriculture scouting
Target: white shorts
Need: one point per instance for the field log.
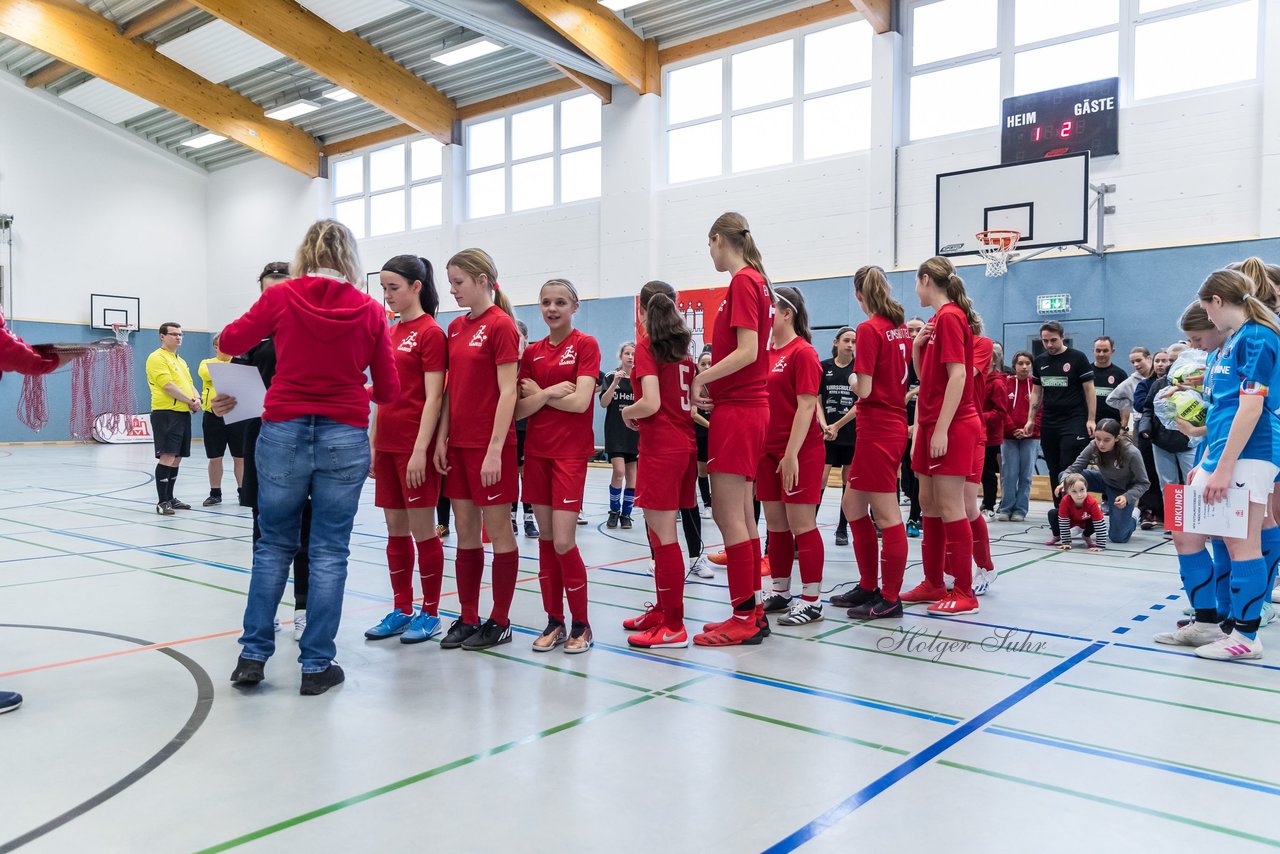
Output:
(1258, 476)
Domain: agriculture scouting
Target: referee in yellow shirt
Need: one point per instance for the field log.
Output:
(173, 399)
(218, 434)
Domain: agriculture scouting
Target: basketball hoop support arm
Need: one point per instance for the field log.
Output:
(1102, 209)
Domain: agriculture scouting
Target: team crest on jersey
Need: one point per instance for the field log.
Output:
(480, 337)
(409, 342)
(1066, 368)
(569, 356)
(780, 365)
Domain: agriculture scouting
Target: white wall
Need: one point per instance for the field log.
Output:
(97, 212)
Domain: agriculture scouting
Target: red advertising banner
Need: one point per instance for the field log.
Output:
(700, 307)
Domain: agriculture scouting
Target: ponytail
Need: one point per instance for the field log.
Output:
(869, 282)
(733, 227)
(790, 299)
(1264, 277)
(664, 324)
(412, 269)
(1234, 288)
(476, 263)
(940, 271)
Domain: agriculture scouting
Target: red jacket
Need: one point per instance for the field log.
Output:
(326, 335)
(995, 408)
(17, 355)
(1019, 396)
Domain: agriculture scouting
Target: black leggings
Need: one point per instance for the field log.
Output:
(442, 511)
(301, 560)
(910, 485)
(990, 475)
(1061, 444)
(691, 521)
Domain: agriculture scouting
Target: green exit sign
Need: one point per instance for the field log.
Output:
(1053, 303)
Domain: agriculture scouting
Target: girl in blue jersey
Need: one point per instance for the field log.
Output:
(1242, 444)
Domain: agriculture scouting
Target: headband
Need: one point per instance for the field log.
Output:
(787, 301)
(567, 285)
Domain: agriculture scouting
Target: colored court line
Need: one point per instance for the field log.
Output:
(67, 577)
(1188, 654)
(1186, 676)
(833, 816)
(1173, 703)
(117, 653)
(1098, 799)
(916, 658)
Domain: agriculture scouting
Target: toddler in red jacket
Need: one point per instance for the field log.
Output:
(1078, 509)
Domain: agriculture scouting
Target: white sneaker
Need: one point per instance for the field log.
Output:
(1233, 647)
(277, 621)
(299, 624)
(1017, 517)
(651, 566)
(1192, 634)
(1268, 614)
(701, 568)
(1002, 516)
(982, 580)
(706, 512)
(989, 513)
(801, 612)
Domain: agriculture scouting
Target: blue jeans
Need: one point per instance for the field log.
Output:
(1172, 468)
(328, 461)
(1017, 464)
(1121, 520)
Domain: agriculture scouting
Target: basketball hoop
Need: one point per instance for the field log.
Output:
(995, 247)
(122, 331)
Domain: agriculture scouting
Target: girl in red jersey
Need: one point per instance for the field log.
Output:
(880, 377)
(557, 385)
(789, 477)
(668, 466)
(735, 382)
(947, 434)
(991, 403)
(476, 446)
(407, 484)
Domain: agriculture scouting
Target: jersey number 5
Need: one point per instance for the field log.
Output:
(685, 373)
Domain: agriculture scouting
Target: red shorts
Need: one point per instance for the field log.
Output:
(735, 442)
(667, 481)
(463, 481)
(979, 460)
(876, 460)
(391, 489)
(962, 438)
(557, 484)
(808, 488)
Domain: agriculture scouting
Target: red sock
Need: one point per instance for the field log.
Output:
(400, 562)
(550, 579)
(739, 567)
(669, 577)
(505, 569)
(782, 551)
(575, 583)
(468, 564)
(431, 571)
(757, 556)
(981, 543)
(960, 554)
(812, 555)
(866, 551)
(893, 561)
(654, 545)
(933, 550)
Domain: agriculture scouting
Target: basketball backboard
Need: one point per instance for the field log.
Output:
(1047, 201)
(106, 310)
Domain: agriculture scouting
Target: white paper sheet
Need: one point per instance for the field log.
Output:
(244, 383)
(1185, 510)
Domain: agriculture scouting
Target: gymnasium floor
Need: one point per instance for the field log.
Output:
(1076, 733)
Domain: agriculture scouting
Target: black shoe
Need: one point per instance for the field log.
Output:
(530, 528)
(854, 598)
(876, 609)
(164, 508)
(458, 633)
(248, 671)
(212, 500)
(179, 505)
(763, 625)
(626, 523)
(318, 683)
(490, 634)
(776, 602)
(515, 529)
(613, 519)
(842, 537)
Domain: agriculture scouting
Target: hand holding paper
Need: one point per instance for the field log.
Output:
(242, 382)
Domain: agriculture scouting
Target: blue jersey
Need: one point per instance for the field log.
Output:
(1247, 364)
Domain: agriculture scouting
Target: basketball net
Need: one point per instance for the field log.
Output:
(101, 382)
(995, 247)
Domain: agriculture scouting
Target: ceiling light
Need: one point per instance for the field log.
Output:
(467, 52)
(619, 5)
(340, 94)
(292, 110)
(204, 140)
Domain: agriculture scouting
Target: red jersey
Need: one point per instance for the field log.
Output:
(794, 370)
(553, 433)
(950, 343)
(476, 347)
(746, 306)
(883, 353)
(670, 429)
(419, 347)
(982, 350)
(1077, 514)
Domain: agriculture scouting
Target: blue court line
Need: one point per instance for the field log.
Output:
(1120, 630)
(1192, 655)
(840, 811)
(1137, 760)
(927, 616)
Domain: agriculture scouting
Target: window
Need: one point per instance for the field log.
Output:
(1066, 63)
(1173, 55)
(964, 97)
(1036, 20)
(952, 28)
(390, 190)
(804, 97)
(534, 158)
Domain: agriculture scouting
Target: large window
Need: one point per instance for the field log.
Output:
(801, 98)
(390, 190)
(965, 55)
(534, 158)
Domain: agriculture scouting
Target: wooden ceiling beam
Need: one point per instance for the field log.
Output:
(760, 29)
(603, 90)
(598, 33)
(342, 58)
(165, 13)
(76, 35)
(876, 12)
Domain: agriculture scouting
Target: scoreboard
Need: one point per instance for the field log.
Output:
(1085, 117)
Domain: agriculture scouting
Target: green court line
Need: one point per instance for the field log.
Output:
(834, 631)
(947, 716)
(1139, 755)
(1098, 799)
(1028, 563)
(284, 602)
(150, 511)
(98, 558)
(909, 657)
(1186, 676)
(123, 522)
(881, 627)
(68, 578)
(1091, 564)
(1168, 703)
(590, 676)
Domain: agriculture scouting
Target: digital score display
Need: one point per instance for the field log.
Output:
(1085, 117)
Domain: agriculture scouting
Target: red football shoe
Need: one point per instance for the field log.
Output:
(720, 558)
(650, 618)
(924, 592)
(735, 632)
(660, 637)
(954, 605)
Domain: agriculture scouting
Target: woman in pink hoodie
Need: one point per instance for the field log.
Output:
(314, 440)
(1018, 452)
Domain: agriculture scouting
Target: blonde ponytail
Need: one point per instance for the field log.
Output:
(476, 263)
(329, 244)
(942, 273)
(733, 228)
(1264, 277)
(1235, 288)
(871, 284)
